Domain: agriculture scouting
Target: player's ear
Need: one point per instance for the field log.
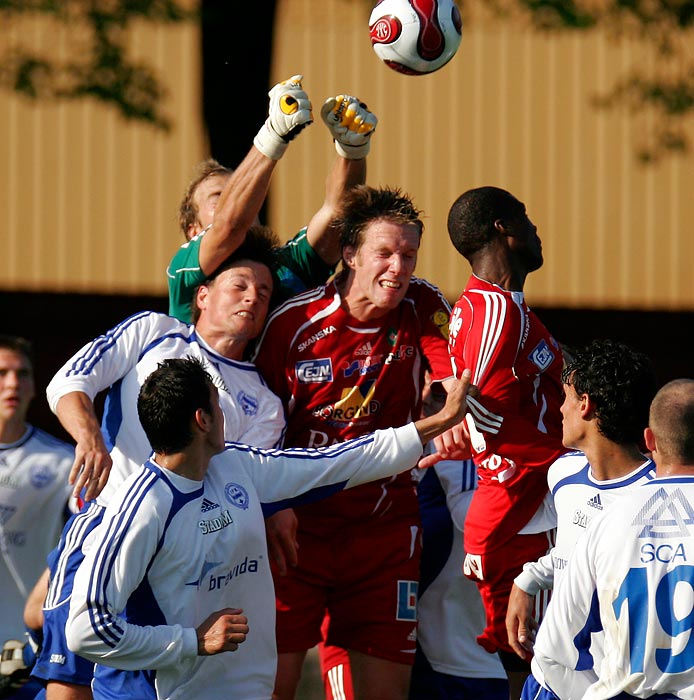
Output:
(348, 255)
(203, 420)
(649, 439)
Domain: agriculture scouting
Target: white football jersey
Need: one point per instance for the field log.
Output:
(120, 361)
(631, 575)
(170, 551)
(34, 494)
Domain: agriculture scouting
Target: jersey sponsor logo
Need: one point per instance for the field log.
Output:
(498, 468)
(216, 524)
(9, 483)
(407, 601)
(248, 403)
(57, 659)
(374, 364)
(595, 502)
(362, 367)
(13, 538)
(323, 333)
(581, 519)
(41, 476)
(208, 505)
(352, 406)
(542, 356)
(314, 371)
(364, 350)
(317, 438)
(440, 320)
(665, 515)
(664, 553)
(559, 563)
(207, 566)
(247, 566)
(237, 495)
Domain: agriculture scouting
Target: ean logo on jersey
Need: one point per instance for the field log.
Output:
(542, 356)
(237, 495)
(41, 476)
(314, 371)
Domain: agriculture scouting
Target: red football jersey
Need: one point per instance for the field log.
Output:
(515, 424)
(340, 378)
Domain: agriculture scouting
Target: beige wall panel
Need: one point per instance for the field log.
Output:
(514, 109)
(90, 198)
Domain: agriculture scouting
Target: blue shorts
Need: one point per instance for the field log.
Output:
(428, 684)
(55, 661)
(532, 690)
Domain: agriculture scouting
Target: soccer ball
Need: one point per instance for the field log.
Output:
(415, 37)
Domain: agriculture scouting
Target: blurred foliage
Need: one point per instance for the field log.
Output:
(97, 63)
(666, 88)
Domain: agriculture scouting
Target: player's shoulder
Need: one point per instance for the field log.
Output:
(54, 445)
(571, 467)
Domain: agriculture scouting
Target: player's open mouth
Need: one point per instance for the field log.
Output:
(245, 314)
(390, 285)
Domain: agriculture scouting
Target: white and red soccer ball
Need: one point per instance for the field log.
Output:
(415, 37)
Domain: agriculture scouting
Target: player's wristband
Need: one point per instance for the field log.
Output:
(269, 143)
(352, 152)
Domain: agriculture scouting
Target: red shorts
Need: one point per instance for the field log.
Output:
(494, 573)
(366, 583)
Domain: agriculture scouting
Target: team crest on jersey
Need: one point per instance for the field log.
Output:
(392, 336)
(314, 371)
(237, 495)
(41, 476)
(248, 403)
(542, 356)
(440, 320)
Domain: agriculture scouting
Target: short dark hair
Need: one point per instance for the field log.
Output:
(672, 421)
(471, 217)
(363, 204)
(19, 345)
(620, 381)
(259, 246)
(188, 210)
(168, 400)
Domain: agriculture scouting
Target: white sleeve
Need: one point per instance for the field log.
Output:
(562, 648)
(119, 553)
(282, 475)
(536, 575)
(109, 357)
(458, 479)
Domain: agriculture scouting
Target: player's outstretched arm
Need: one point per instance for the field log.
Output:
(222, 631)
(521, 626)
(351, 125)
(92, 463)
(282, 545)
(241, 199)
(450, 415)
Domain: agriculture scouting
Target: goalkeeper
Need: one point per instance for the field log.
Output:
(220, 205)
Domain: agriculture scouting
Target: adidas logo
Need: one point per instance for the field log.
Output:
(595, 502)
(365, 349)
(207, 505)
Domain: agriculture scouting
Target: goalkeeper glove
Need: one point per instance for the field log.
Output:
(289, 113)
(351, 125)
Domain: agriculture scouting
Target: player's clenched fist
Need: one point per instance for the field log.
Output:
(289, 113)
(222, 631)
(351, 125)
